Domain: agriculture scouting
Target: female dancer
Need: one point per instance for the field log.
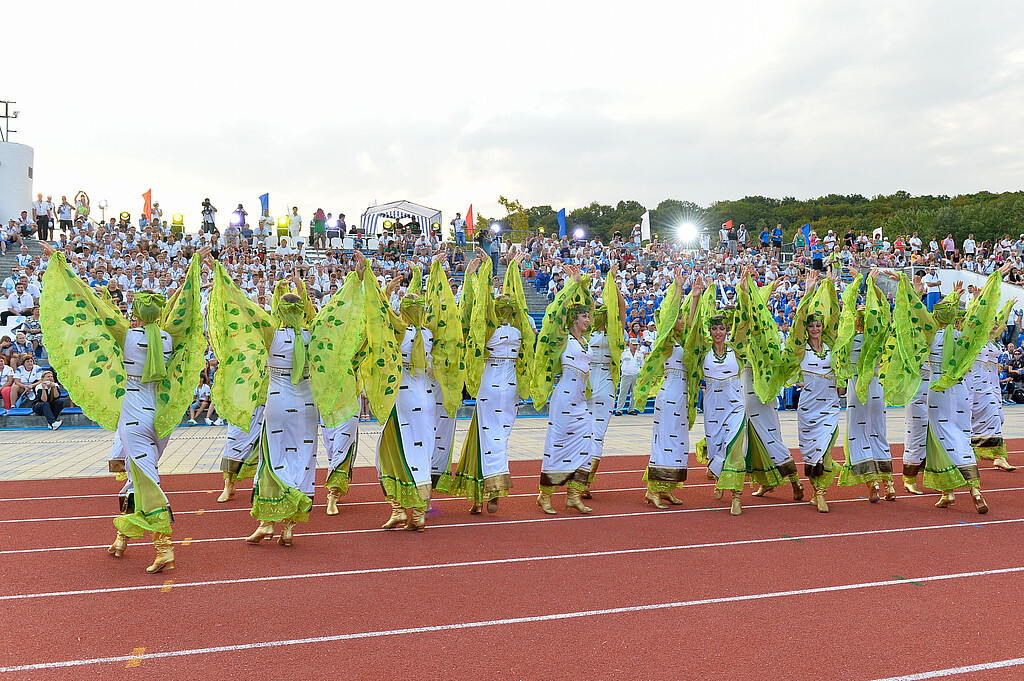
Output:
(606, 344)
(447, 398)
(397, 375)
(717, 364)
(277, 361)
(562, 349)
(664, 370)
(500, 351)
(859, 347)
(340, 442)
(757, 342)
(139, 380)
(807, 351)
(986, 399)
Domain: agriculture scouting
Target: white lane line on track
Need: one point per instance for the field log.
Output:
(499, 561)
(544, 519)
(952, 671)
(351, 484)
(510, 621)
(246, 509)
(249, 489)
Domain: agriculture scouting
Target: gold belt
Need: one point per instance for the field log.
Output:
(727, 379)
(502, 359)
(830, 374)
(681, 372)
(137, 378)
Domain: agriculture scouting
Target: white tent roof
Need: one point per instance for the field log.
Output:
(397, 210)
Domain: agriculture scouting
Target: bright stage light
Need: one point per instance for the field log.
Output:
(578, 234)
(687, 232)
(435, 225)
(495, 227)
(236, 219)
(177, 219)
(126, 216)
(282, 221)
(332, 224)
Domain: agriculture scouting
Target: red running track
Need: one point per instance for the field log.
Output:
(867, 591)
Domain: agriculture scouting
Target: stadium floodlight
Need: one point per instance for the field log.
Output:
(578, 234)
(687, 232)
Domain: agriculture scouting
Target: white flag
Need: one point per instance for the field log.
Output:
(645, 226)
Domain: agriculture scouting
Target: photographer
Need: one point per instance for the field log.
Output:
(209, 216)
(46, 400)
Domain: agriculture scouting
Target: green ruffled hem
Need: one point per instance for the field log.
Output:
(572, 484)
(471, 488)
(663, 486)
(948, 479)
(406, 494)
(338, 479)
(294, 506)
(732, 480)
(444, 483)
(847, 478)
(990, 452)
(136, 524)
(248, 469)
(701, 450)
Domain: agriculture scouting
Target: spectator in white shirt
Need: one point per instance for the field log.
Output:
(26, 378)
(629, 367)
(18, 303)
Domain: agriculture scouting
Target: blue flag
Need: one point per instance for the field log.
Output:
(265, 203)
(561, 223)
(806, 229)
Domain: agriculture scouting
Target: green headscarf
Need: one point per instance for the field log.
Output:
(147, 307)
(412, 311)
(505, 309)
(292, 315)
(945, 313)
(600, 319)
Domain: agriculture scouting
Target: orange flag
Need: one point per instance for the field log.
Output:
(469, 221)
(147, 206)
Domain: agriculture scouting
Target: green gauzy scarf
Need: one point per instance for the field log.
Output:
(412, 311)
(292, 315)
(147, 307)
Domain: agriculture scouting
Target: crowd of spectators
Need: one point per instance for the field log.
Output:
(124, 257)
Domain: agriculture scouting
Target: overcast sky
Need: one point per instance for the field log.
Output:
(452, 103)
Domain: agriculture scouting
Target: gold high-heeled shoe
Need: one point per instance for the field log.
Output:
(1002, 464)
(979, 501)
(652, 498)
(119, 545)
(287, 528)
(332, 501)
(586, 493)
(544, 501)
(398, 515)
(477, 509)
(946, 500)
(492, 505)
(820, 496)
(573, 500)
(164, 553)
(264, 531)
(417, 520)
(709, 474)
(890, 491)
(229, 489)
(873, 492)
(798, 491)
(718, 493)
(737, 508)
(670, 498)
(910, 484)
(762, 490)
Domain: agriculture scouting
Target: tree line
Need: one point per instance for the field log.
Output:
(984, 214)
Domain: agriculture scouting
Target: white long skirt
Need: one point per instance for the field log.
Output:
(763, 420)
(239, 443)
(339, 442)
(986, 406)
(497, 405)
(817, 418)
(291, 421)
(414, 419)
(600, 404)
(915, 423)
(867, 447)
(567, 442)
(949, 435)
(444, 434)
(136, 431)
(670, 444)
(724, 417)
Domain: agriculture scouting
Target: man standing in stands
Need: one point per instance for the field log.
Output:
(632, 360)
(459, 228)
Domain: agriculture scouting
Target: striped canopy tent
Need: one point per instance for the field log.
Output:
(374, 220)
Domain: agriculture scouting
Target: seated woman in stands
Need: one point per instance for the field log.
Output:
(26, 377)
(47, 401)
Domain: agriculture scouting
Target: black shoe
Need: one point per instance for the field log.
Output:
(616, 413)
(634, 412)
